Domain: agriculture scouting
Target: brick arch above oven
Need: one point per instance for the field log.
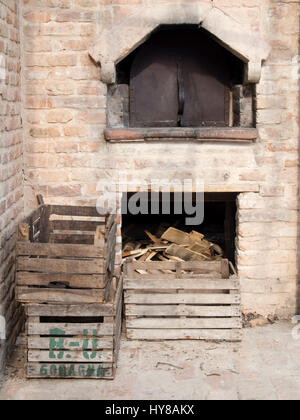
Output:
(117, 43)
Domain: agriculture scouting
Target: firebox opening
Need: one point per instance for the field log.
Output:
(143, 234)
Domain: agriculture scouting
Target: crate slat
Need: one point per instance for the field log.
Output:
(105, 309)
(184, 334)
(42, 343)
(187, 323)
(63, 296)
(183, 310)
(70, 356)
(73, 281)
(70, 371)
(69, 329)
(58, 250)
(74, 225)
(186, 283)
(183, 298)
(52, 265)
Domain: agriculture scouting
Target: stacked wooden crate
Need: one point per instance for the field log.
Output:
(174, 300)
(74, 341)
(65, 269)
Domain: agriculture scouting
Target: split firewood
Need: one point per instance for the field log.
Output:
(173, 245)
(184, 253)
(176, 236)
(206, 254)
(201, 249)
(152, 255)
(218, 250)
(152, 237)
(129, 246)
(137, 253)
(174, 258)
(196, 236)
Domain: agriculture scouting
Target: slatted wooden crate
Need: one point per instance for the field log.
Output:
(174, 301)
(74, 341)
(65, 255)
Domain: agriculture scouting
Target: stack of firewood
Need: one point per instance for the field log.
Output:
(173, 245)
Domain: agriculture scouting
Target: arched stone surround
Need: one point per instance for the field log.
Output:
(125, 37)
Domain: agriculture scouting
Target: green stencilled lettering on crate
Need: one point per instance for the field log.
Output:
(71, 371)
(100, 371)
(90, 370)
(57, 343)
(62, 371)
(81, 370)
(57, 331)
(89, 355)
(43, 370)
(53, 370)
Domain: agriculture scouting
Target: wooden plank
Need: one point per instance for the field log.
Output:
(63, 296)
(176, 334)
(110, 221)
(118, 297)
(153, 238)
(81, 225)
(105, 309)
(171, 276)
(206, 266)
(192, 298)
(94, 329)
(182, 310)
(179, 284)
(187, 323)
(36, 343)
(185, 253)
(225, 269)
(70, 356)
(197, 237)
(59, 250)
(74, 281)
(176, 236)
(44, 224)
(77, 211)
(59, 238)
(70, 371)
(51, 265)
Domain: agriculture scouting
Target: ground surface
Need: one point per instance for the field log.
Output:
(264, 366)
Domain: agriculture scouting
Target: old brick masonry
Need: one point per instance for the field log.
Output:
(65, 154)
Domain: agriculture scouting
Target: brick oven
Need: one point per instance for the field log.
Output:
(79, 88)
(79, 131)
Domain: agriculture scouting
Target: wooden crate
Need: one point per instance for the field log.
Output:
(65, 255)
(176, 301)
(74, 341)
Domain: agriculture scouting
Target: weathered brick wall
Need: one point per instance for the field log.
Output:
(11, 152)
(66, 154)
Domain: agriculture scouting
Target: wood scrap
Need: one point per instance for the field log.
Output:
(184, 253)
(176, 236)
(173, 245)
(152, 237)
